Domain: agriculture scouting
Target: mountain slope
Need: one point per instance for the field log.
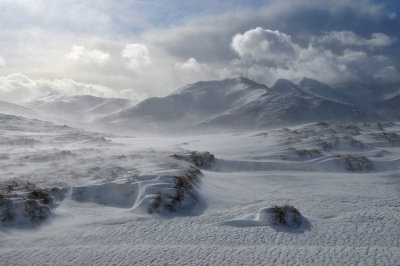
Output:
(390, 108)
(240, 104)
(78, 109)
(190, 104)
(15, 109)
(322, 90)
(286, 104)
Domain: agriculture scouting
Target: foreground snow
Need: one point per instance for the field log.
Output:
(342, 178)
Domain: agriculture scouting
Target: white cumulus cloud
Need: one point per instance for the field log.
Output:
(81, 54)
(138, 55)
(264, 44)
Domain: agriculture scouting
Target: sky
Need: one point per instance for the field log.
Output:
(141, 48)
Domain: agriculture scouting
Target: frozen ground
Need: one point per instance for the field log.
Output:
(344, 179)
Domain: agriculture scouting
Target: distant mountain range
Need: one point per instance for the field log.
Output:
(78, 109)
(72, 110)
(230, 104)
(242, 104)
(15, 109)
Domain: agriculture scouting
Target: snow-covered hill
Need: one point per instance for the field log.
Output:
(322, 90)
(77, 110)
(288, 104)
(37, 156)
(316, 193)
(91, 198)
(15, 109)
(238, 104)
(188, 106)
(390, 107)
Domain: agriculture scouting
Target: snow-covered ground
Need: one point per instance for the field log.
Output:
(343, 178)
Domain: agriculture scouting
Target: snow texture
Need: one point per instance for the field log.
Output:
(342, 178)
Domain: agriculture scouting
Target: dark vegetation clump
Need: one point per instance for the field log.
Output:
(308, 153)
(183, 188)
(328, 143)
(357, 163)
(5, 214)
(326, 146)
(354, 142)
(291, 131)
(36, 211)
(365, 124)
(43, 196)
(285, 215)
(380, 126)
(351, 129)
(156, 202)
(202, 159)
(19, 198)
(199, 159)
(322, 124)
(391, 137)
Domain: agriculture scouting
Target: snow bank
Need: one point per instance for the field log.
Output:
(111, 194)
(284, 217)
(183, 194)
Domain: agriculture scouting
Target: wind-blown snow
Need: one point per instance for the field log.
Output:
(349, 204)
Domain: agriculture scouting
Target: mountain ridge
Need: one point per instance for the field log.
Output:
(218, 105)
(240, 103)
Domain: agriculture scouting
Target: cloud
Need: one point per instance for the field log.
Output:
(206, 39)
(267, 55)
(138, 55)
(81, 54)
(191, 71)
(127, 48)
(2, 62)
(288, 39)
(19, 88)
(190, 65)
(263, 44)
(349, 38)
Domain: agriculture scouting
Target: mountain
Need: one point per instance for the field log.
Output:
(321, 90)
(77, 109)
(286, 104)
(189, 105)
(18, 110)
(240, 104)
(390, 108)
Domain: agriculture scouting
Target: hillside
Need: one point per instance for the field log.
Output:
(106, 199)
(77, 110)
(239, 104)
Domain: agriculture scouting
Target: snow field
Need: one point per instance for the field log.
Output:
(350, 217)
